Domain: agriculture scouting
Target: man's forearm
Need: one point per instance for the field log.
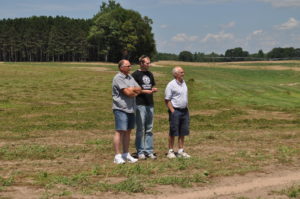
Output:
(132, 91)
(169, 105)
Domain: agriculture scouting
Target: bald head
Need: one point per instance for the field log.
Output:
(176, 70)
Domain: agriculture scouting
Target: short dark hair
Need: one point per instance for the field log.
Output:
(141, 59)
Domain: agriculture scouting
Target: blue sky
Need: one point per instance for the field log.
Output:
(194, 25)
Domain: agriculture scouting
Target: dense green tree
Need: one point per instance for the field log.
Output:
(120, 33)
(165, 56)
(186, 56)
(283, 53)
(43, 39)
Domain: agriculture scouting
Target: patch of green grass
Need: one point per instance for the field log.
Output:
(291, 192)
(37, 152)
(183, 181)
(4, 182)
(286, 153)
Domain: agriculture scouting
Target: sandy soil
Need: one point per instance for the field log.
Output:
(251, 186)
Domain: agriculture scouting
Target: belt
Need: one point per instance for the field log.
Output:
(181, 109)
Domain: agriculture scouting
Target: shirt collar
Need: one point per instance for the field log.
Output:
(124, 76)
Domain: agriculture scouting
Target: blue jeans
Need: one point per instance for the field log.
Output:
(144, 125)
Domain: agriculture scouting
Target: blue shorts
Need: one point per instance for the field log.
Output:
(179, 122)
(124, 121)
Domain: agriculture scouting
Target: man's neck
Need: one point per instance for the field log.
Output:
(143, 69)
(180, 80)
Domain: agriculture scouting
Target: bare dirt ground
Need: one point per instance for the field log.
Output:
(252, 185)
(265, 184)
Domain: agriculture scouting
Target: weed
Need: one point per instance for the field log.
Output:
(291, 192)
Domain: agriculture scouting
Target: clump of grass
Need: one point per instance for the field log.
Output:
(132, 185)
(286, 153)
(291, 192)
(4, 182)
(183, 181)
(33, 152)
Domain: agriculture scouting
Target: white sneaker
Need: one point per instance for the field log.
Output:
(129, 158)
(171, 155)
(118, 159)
(183, 155)
(141, 156)
(152, 156)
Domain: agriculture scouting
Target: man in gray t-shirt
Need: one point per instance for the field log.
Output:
(124, 91)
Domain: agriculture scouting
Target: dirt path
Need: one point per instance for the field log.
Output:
(254, 185)
(250, 186)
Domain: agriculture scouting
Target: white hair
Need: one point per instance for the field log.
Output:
(175, 70)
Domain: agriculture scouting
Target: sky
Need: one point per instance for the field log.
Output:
(194, 25)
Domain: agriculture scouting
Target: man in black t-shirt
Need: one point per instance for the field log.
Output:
(144, 110)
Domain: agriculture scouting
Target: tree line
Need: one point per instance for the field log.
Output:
(112, 34)
(235, 54)
(44, 39)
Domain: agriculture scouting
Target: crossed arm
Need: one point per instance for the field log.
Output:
(132, 91)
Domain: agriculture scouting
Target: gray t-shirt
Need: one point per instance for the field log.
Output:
(177, 93)
(120, 100)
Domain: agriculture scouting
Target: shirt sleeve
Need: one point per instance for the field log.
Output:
(168, 92)
(120, 84)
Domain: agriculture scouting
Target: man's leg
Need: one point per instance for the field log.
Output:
(140, 129)
(171, 142)
(181, 142)
(118, 139)
(148, 145)
(126, 141)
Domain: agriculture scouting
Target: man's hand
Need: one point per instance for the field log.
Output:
(132, 91)
(154, 90)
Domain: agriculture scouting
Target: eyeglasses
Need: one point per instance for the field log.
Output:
(126, 66)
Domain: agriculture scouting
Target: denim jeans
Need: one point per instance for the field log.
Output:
(144, 125)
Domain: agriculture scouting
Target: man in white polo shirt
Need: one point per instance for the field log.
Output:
(176, 99)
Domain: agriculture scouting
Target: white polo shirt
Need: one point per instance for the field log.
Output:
(177, 93)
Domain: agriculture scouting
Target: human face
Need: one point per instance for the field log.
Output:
(145, 64)
(125, 68)
(179, 74)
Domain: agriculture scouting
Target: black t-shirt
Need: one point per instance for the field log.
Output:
(146, 81)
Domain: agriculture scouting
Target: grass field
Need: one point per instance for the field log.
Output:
(56, 127)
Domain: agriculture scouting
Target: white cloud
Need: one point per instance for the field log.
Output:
(282, 3)
(182, 37)
(257, 32)
(290, 24)
(218, 37)
(229, 25)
